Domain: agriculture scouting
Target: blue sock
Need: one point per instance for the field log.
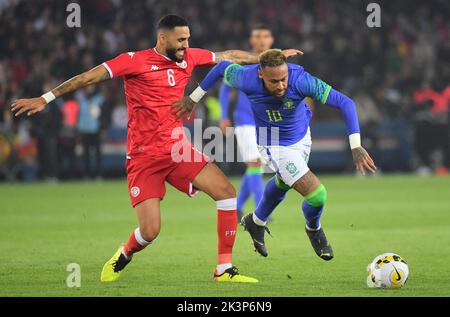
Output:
(244, 193)
(312, 215)
(256, 185)
(272, 197)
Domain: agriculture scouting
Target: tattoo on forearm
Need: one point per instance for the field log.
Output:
(87, 78)
(238, 57)
(69, 86)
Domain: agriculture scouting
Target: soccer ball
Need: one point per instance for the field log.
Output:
(388, 270)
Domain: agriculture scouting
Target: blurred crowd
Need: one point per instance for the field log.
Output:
(400, 70)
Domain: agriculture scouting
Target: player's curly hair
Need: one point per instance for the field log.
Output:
(272, 58)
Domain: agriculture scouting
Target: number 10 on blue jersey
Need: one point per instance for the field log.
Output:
(274, 115)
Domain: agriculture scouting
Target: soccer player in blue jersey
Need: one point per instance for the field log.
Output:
(277, 90)
(261, 39)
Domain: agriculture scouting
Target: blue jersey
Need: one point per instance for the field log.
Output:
(286, 119)
(282, 120)
(242, 114)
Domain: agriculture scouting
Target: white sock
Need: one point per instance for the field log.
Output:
(310, 229)
(223, 267)
(258, 221)
(227, 204)
(126, 257)
(140, 239)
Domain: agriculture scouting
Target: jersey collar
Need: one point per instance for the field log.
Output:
(154, 49)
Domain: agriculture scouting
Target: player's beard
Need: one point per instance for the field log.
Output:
(275, 92)
(279, 94)
(171, 53)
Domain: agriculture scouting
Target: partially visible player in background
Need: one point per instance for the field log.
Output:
(261, 39)
(153, 79)
(278, 90)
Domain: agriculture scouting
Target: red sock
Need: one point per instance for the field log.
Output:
(135, 243)
(226, 233)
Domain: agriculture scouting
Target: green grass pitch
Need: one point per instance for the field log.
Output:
(44, 227)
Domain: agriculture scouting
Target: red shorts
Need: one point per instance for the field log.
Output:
(147, 175)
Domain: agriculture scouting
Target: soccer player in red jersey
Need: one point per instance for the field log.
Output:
(153, 80)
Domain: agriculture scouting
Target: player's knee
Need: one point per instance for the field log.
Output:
(226, 190)
(150, 233)
(318, 197)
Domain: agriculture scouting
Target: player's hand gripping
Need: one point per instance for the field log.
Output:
(182, 106)
(30, 106)
(363, 160)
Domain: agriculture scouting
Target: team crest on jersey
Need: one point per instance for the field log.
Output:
(288, 104)
(183, 64)
(291, 168)
(135, 191)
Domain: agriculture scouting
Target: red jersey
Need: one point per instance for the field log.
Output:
(152, 83)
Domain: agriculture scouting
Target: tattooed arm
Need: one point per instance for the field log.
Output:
(238, 57)
(308, 85)
(242, 57)
(93, 76)
(35, 105)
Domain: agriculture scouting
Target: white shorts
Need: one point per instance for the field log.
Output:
(246, 141)
(289, 162)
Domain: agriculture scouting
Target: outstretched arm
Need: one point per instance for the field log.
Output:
(187, 103)
(308, 85)
(347, 107)
(35, 105)
(243, 57)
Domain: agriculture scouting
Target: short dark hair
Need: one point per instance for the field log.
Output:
(260, 27)
(272, 58)
(171, 21)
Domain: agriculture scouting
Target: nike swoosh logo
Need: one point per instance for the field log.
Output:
(399, 277)
(260, 243)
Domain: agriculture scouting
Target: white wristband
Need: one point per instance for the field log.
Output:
(355, 140)
(197, 94)
(49, 97)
